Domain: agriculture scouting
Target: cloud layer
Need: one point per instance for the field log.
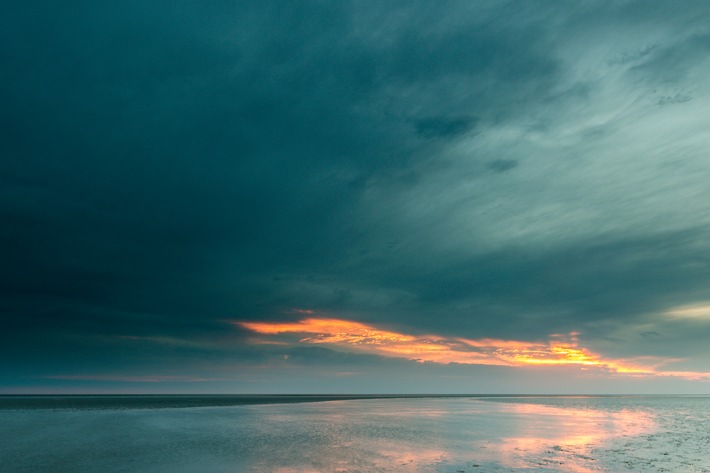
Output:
(488, 170)
(559, 350)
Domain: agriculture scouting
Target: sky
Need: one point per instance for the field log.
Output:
(355, 197)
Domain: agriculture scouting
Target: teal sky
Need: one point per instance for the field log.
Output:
(355, 196)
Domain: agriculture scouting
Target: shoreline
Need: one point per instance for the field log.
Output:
(168, 401)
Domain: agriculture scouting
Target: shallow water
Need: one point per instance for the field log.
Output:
(565, 434)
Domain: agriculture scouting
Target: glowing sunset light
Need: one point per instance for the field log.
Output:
(330, 331)
(362, 338)
(559, 355)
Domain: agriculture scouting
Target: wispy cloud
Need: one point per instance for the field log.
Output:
(133, 379)
(695, 311)
(559, 349)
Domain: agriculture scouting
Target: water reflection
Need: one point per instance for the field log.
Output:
(561, 438)
(407, 435)
(461, 435)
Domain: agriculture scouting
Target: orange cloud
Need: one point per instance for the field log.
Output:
(330, 331)
(558, 350)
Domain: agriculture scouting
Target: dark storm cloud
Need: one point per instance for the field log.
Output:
(443, 127)
(502, 165)
(515, 293)
(166, 168)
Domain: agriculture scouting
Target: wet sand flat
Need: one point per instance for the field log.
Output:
(454, 434)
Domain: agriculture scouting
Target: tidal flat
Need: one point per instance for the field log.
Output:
(343, 434)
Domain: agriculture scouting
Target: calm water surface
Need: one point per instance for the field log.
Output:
(565, 434)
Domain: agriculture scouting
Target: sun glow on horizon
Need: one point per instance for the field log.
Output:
(560, 349)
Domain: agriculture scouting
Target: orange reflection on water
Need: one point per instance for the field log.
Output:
(562, 438)
(414, 435)
(402, 457)
(360, 337)
(290, 469)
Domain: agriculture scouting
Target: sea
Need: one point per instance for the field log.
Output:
(299, 434)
